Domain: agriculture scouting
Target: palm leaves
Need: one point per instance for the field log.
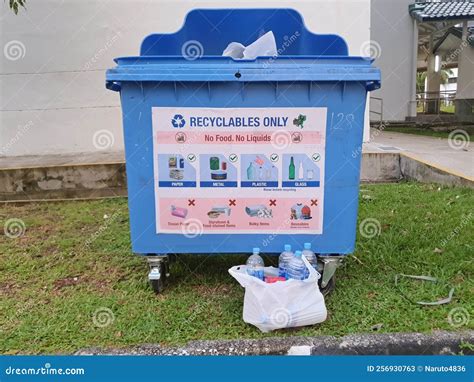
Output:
(16, 4)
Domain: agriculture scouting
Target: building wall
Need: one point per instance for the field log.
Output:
(392, 29)
(53, 98)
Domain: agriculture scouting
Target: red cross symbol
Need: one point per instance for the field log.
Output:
(273, 202)
(314, 202)
(231, 202)
(191, 202)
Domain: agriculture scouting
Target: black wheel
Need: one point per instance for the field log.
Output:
(159, 285)
(330, 286)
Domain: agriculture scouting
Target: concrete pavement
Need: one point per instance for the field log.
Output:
(441, 153)
(389, 157)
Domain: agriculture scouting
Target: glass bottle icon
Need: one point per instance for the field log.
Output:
(301, 171)
(291, 169)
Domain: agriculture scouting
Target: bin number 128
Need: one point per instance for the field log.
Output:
(341, 121)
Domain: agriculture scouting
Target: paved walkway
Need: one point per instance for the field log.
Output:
(100, 157)
(436, 152)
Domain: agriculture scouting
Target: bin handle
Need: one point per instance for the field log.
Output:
(372, 85)
(113, 85)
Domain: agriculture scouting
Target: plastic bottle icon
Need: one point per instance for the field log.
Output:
(274, 173)
(268, 174)
(301, 171)
(291, 169)
(250, 172)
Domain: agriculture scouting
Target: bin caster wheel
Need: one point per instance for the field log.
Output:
(157, 285)
(330, 286)
(156, 277)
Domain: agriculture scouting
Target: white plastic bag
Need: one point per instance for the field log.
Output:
(263, 46)
(283, 304)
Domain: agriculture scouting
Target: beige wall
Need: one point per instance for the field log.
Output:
(52, 97)
(392, 28)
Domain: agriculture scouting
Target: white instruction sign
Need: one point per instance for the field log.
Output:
(239, 170)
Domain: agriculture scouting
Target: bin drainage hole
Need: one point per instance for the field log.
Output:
(238, 75)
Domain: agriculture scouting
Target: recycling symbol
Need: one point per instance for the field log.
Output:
(178, 121)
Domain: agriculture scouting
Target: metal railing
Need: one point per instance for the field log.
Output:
(435, 102)
(379, 113)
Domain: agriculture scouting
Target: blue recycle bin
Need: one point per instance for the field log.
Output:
(223, 155)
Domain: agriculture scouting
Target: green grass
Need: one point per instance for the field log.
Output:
(450, 109)
(70, 262)
(447, 108)
(423, 131)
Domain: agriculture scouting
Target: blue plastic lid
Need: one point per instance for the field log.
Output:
(256, 251)
(199, 36)
(298, 253)
(287, 247)
(173, 57)
(307, 245)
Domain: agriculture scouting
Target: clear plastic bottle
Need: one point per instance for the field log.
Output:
(255, 264)
(250, 172)
(274, 174)
(310, 256)
(296, 267)
(285, 256)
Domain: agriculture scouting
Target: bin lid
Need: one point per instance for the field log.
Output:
(194, 53)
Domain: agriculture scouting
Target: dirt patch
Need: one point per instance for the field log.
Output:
(8, 289)
(66, 282)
